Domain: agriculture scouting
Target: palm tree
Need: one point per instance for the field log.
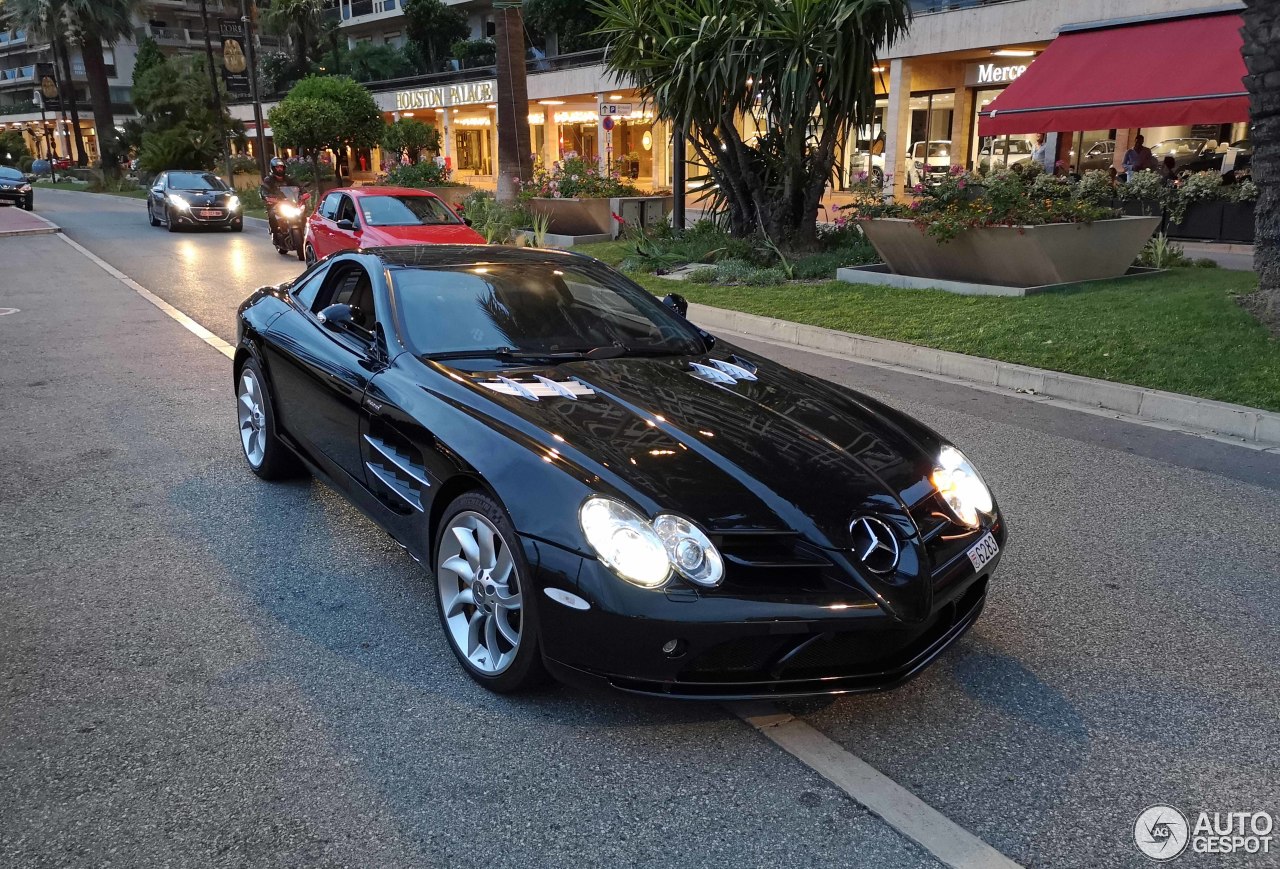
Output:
(299, 20)
(93, 22)
(515, 161)
(1262, 59)
(45, 19)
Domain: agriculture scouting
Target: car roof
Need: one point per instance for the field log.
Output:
(463, 255)
(386, 191)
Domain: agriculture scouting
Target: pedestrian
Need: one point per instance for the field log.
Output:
(1137, 158)
(1040, 154)
(1169, 170)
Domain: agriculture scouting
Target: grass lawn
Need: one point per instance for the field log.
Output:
(1180, 331)
(140, 193)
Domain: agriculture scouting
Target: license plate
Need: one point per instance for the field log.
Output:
(210, 212)
(983, 551)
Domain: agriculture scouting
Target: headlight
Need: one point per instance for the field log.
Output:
(288, 209)
(178, 201)
(625, 542)
(233, 203)
(689, 551)
(25, 188)
(961, 486)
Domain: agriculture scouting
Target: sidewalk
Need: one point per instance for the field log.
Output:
(1236, 257)
(15, 221)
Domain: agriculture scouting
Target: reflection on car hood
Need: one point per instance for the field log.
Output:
(782, 451)
(451, 233)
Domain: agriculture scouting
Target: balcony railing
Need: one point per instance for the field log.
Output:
(14, 38)
(18, 73)
(356, 8)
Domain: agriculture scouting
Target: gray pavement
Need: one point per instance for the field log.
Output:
(199, 668)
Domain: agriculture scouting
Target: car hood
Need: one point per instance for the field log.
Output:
(387, 236)
(781, 452)
(216, 198)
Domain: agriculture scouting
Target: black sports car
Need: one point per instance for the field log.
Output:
(183, 197)
(605, 491)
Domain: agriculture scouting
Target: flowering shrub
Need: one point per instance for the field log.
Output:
(1096, 188)
(574, 177)
(1241, 191)
(424, 174)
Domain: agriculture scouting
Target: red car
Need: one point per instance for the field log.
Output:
(359, 217)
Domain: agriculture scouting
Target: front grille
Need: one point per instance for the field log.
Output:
(772, 563)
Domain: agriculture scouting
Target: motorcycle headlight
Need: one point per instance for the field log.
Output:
(233, 204)
(625, 542)
(178, 202)
(961, 486)
(288, 209)
(689, 551)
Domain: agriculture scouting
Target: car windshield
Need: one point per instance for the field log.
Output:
(936, 149)
(406, 210)
(1175, 147)
(195, 181)
(10, 174)
(534, 308)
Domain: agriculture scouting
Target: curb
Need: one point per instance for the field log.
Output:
(1249, 426)
(49, 227)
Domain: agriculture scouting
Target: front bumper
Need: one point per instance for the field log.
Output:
(15, 197)
(688, 646)
(194, 216)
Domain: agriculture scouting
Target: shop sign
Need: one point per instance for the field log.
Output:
(444, 96)
(977, 74)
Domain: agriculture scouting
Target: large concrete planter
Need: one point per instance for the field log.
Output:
(581, 217)
(1238, 222)
(1014, 256)
(1201, 220)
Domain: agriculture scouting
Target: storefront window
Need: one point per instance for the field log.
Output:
(864, 152)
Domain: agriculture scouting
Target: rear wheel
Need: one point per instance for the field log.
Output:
(485, 596)
(267, 456)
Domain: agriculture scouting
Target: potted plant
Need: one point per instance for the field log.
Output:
(581, 199)
(1195, 209)
(1237, 211)
(1002, 229)
(244, 173)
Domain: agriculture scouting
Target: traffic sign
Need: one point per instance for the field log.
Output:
(615, 109)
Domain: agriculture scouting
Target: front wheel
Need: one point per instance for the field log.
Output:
(151, 216)
(267, 456)
(29, 204)
(310, 255)
(297, 244)
(171, 220)
(485, 596)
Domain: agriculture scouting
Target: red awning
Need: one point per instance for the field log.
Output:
(1158, 74)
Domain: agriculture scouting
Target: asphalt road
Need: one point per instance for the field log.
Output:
(199, 668)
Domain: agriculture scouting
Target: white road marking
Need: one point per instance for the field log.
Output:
(189, 324)
(894, 804)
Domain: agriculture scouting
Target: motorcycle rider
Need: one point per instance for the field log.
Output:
(276, 178)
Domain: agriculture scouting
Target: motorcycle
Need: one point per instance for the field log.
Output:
(290, 210)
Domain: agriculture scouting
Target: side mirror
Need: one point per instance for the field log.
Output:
(346, 225)
(677, 303)
(335, 316)
(467, 221)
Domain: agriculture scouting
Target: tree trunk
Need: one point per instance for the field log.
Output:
(95, 68)
(1262, 58)
(515, 161)
(63, 53)
(302, 47)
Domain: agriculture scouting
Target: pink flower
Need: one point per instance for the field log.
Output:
(919, 188)
(915, 205)
(957, 170)
(960, 184)
(862, 176)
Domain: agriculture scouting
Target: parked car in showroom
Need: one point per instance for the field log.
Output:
(181, 198)
(1004, 152)
(359, 217)
(1190, 154)
(928, 162)
(607, 493)
(1101, 155)
(15, 189)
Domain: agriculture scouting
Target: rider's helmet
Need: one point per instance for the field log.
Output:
(277, 167)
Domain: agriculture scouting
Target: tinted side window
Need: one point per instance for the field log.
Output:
(347, 210)
(306, 291)
(329, 209)
(349, 285)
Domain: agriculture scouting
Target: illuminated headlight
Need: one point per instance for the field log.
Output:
(288, 209)
(233, 204)
(178, 202)
(961, 486)
(690, 552)
(25, 188)
(625, 542)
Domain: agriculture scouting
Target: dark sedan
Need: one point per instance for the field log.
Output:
(15, 189)
(183, 197)
(607, 493)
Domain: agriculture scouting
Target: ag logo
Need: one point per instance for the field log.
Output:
(1161, 832)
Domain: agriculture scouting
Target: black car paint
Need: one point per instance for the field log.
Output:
(773, 469)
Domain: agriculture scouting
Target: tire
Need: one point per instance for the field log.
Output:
(310, 258)
(471, 589)
(877, 175)
(29, 204)
(260, 444)
(170, 221)
(238, 226)
(297, 244)
(151, 215)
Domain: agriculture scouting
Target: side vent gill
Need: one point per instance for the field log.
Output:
(723, 371)
(539, 387)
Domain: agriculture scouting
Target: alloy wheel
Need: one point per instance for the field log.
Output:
(480, 593)
(253, 418)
